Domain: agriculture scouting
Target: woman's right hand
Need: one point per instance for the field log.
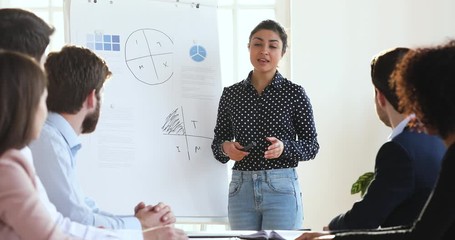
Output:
(234, 150)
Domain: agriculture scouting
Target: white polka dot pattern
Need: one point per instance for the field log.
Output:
(283, 111)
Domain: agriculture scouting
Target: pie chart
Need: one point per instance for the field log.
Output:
(149, 56)
(198, 53)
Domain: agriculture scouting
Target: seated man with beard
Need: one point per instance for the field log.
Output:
(76, 78)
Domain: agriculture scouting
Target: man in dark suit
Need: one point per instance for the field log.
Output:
(406, 166)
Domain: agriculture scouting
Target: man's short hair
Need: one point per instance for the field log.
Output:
(24, 32)
(73, 73)
(382, 67)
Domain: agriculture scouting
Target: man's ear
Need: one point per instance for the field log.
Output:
(91, 99)
(380, 98)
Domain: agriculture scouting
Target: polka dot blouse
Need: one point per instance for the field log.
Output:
(283, 111)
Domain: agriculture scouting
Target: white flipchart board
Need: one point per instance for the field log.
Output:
(158, 110)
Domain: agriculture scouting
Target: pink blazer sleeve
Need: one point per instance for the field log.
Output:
(22, 216)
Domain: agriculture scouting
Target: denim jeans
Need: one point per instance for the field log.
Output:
(265, 200)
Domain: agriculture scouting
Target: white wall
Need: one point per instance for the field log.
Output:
(332, 42)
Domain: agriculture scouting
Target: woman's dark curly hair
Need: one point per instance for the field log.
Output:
(425, 85)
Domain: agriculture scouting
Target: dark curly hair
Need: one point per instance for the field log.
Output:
(425, 85)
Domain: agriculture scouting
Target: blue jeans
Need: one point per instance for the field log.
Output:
(265, 200)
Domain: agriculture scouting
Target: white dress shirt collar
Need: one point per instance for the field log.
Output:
(400, 127)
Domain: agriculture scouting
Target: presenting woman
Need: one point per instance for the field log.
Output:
(265, 124)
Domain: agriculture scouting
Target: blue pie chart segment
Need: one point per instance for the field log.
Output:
(198, 53)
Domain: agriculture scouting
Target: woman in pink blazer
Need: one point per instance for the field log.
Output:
(22, 113)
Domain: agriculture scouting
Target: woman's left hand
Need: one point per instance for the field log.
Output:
(275, 149)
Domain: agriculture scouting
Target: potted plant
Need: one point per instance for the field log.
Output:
(362, 183)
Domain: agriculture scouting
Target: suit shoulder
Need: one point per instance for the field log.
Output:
(409, 136)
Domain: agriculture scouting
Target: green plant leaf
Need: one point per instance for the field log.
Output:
(362, 183)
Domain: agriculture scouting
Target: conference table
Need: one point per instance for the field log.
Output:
(286, 234)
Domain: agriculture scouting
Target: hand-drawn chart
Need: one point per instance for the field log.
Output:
(174, 125)
(159, 109)
(148, 55)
